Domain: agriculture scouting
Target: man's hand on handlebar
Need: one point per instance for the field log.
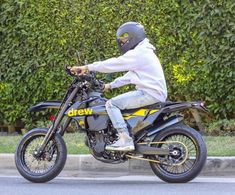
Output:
(79, 70)
(82, 70)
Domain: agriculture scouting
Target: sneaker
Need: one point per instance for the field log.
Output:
(124, 143)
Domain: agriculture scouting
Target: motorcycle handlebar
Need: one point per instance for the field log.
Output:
(86, 77)
(67, 69)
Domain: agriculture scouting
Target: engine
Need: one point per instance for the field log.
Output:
(97, 140)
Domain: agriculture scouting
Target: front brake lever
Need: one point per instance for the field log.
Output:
(67, 70)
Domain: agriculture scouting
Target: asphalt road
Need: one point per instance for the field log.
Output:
(126, 185)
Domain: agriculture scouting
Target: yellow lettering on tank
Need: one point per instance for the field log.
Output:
(70, 112)
(80, 112)
(88, 111)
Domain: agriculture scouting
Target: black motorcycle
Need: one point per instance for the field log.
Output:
(175, 151)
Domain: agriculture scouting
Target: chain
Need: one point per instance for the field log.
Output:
(157, 161)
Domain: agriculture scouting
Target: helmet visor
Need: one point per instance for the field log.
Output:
(123, 39)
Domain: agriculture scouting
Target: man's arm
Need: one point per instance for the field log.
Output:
(129, 61)
(126, 62)
(121, 81)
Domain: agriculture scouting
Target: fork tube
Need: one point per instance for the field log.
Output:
(58, 119)
(64, 126)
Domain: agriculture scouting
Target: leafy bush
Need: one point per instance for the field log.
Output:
(194, 41)
(222, 127)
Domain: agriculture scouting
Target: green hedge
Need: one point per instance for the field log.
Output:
(194, 41)
(221, 127)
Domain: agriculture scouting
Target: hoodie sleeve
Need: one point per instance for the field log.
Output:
(120, 81)
(126, 62)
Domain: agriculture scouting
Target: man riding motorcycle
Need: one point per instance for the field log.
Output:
(144, 71)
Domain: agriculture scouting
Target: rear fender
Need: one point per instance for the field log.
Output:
(171, 121)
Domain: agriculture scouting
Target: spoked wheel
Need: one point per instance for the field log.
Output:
(41, 168)
(187, 154)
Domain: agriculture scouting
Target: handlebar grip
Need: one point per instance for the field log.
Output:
(67, 70)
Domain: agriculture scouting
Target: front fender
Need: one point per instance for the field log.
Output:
(45, 105)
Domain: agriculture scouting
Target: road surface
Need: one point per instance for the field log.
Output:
(123, 185)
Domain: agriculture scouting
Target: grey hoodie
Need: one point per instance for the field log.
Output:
(144, 70)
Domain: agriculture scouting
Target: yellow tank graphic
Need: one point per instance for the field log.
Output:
(140, 112)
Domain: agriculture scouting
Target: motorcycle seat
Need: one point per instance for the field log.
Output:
(157, 105)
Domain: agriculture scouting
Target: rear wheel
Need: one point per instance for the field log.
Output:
(187, 154)
(48, 165)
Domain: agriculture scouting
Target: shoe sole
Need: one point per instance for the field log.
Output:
(125, 148)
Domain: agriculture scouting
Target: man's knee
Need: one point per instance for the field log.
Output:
(108, 104)
(112, 103)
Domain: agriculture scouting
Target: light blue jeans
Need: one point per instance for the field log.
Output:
(129, 100)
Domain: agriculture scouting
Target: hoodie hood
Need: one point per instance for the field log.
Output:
(145, 43)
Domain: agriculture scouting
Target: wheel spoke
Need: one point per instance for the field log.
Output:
(42, 164)
(187, 164)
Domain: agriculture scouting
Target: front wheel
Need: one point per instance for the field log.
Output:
(48, 165)
(187, 157)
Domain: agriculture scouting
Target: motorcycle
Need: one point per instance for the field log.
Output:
(176, 152)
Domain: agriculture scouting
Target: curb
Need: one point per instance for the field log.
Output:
(215, 166)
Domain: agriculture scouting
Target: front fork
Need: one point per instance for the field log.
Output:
(54, 127)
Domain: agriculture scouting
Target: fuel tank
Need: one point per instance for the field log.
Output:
(95, 116)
